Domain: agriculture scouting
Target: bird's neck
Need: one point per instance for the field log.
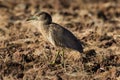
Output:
(42, 27)
(39, 25)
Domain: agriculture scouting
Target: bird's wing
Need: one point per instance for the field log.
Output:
(64, 38)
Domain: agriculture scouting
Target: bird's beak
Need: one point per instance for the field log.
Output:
(31, 18)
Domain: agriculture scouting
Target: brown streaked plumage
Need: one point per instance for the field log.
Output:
(54, 33)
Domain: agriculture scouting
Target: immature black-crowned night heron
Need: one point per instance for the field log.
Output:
(54, 33)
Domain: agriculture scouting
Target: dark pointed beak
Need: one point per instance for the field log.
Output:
(31, 18)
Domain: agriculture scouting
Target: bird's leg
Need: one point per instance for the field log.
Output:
(56, 55)
(63, 59)
(62, 55)
(59, 57)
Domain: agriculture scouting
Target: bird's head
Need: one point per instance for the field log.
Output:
(41, 17)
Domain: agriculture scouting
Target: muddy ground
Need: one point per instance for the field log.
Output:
(25, 55)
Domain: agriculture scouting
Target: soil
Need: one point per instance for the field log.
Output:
(25, 55)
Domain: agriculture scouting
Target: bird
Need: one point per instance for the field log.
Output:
(56, 34)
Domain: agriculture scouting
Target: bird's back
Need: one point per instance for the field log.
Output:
(64, 38)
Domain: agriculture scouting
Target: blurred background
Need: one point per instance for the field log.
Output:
(25, 55)
(19, 9)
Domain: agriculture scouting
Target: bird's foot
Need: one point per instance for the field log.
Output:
(55, 59)
(59, 59)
